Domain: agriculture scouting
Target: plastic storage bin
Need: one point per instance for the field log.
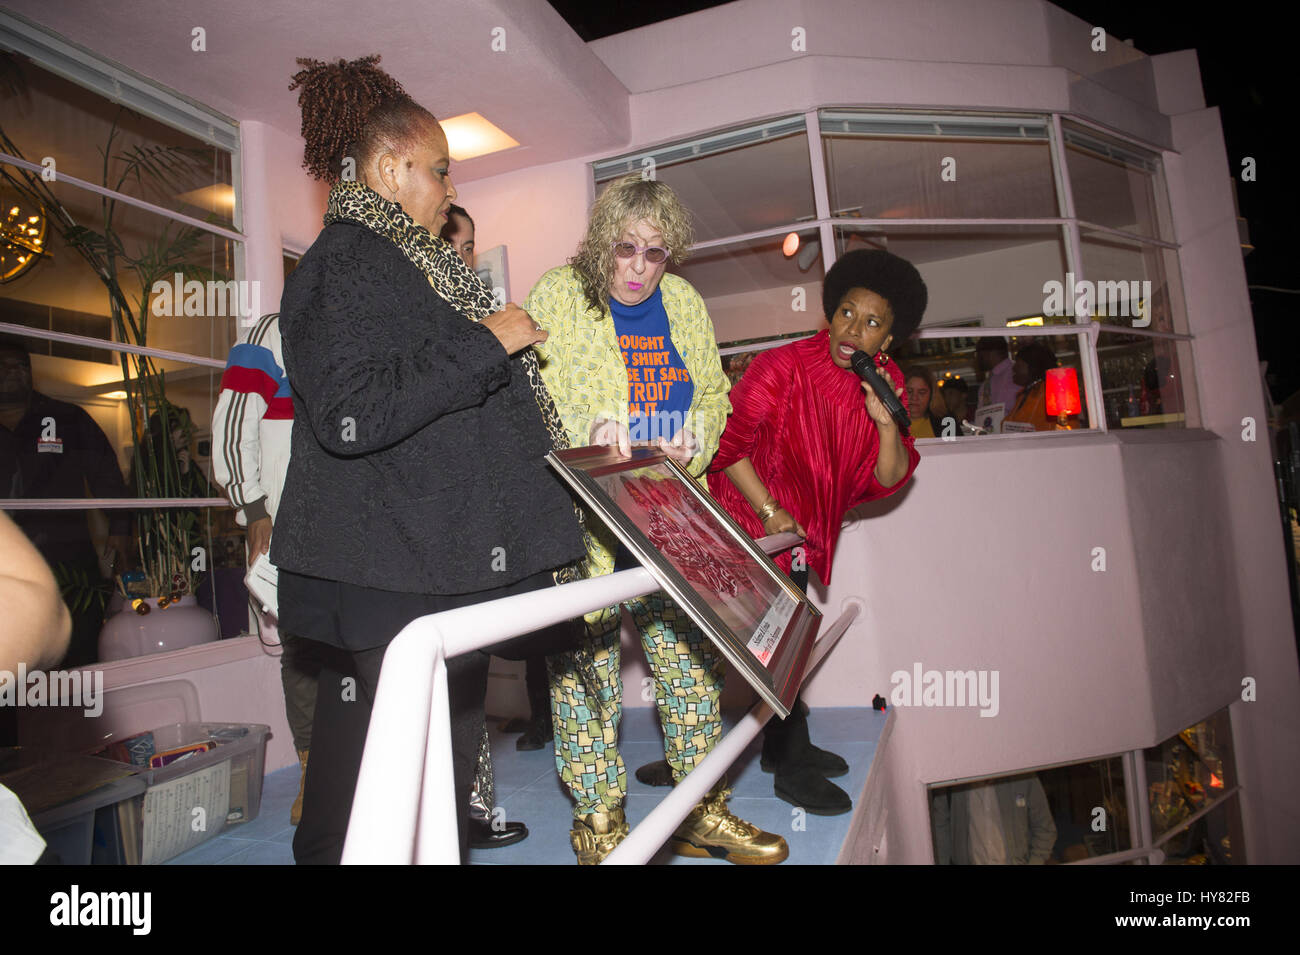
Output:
(194, 799)
(87, 830)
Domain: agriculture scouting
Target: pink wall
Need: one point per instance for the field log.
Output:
(1231, 397)
(1090, 663)
(282, 206)
(539, 214)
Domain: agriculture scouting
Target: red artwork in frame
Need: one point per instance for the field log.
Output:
(751, 612)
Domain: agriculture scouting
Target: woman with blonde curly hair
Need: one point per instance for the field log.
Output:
(631, 357)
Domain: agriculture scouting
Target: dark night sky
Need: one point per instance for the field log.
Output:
(1247, 62)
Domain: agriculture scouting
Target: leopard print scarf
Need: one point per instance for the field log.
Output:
(454, 282)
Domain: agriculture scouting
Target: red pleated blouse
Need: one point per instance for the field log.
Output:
(803, 423)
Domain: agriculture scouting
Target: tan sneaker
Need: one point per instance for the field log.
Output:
(295, 811)
(594, 836)
(711, 830)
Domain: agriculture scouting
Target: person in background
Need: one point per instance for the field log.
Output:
(49, 448)
(807, 441)
(459, 231)
(167, 461)
(994, 822)
(632, 356)
(169, 448)
(994, 373)
(1030, 374)
(920, 388)
(954, 392)
(34, 631)
(251, 431)
(938, 409)
(417, 479)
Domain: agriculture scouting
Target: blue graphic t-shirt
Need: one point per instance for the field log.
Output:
(659, 387)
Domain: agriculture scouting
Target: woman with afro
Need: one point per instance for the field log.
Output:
(808, 440)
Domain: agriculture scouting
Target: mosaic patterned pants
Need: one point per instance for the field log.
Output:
(587, 700)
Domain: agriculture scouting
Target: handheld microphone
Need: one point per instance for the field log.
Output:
(866, 369)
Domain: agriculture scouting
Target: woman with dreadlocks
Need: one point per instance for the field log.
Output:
(417, 481)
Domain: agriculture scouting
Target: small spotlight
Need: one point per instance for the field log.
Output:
(791, 245)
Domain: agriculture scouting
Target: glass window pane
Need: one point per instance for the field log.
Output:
(1046, 816)
(989, 274)
(1186, 773)
(146, 246)
(53, 117)
(994, 273)
(982, 277)
(988, 389)
(743, 189)
(939, 178)
(1120, 276)
(1115, 184)
(1144, 383)
(754, 290)
(93, 421)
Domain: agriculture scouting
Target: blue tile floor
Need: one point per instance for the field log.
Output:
(529, 790)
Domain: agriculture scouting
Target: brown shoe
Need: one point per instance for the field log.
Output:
(711, 830)
(594, 836)
(295, 811)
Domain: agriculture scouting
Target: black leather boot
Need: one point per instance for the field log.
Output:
(787, 742)
(801, 768)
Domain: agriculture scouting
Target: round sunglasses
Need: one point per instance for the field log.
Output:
(654, 254)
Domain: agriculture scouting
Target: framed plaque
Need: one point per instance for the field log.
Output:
(761, 622)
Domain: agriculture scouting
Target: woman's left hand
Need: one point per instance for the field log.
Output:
(681, 448)
(876, 408)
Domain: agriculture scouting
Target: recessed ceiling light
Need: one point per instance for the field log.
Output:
(470, 135)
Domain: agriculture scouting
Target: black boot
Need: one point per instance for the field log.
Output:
(538, 731)
(801, 768)
(656, 774)
(537, 734)
(786, 741)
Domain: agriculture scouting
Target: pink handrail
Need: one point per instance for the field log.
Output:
(404, 807)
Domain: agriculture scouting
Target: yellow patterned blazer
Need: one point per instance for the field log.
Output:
(583, 369)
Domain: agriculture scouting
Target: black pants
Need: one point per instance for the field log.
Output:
(339, 613)
(339, 730)
(781, 733)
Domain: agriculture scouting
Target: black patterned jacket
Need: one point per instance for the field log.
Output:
(417, 459)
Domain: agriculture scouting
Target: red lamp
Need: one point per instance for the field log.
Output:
(1063, 395)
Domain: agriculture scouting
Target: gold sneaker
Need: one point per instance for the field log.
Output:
(711, 830)
(594, 836)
